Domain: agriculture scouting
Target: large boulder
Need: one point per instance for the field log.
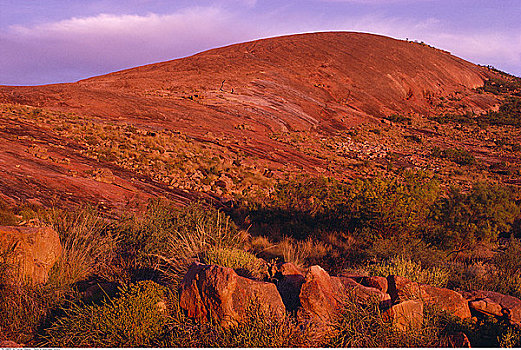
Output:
(447, 300)
(406, 316)
(322, 295)
(30, 251)
(495, 304)
(210, 292)
(402, 289)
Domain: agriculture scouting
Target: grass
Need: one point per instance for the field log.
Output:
(136, 318)
(400, 266)
(89, 246)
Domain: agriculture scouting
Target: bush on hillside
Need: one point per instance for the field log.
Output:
(477, 216)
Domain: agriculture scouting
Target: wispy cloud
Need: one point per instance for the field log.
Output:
(95, 45)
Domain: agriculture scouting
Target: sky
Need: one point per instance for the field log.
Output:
(52, 41)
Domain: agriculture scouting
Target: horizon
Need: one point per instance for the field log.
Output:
(66, 41)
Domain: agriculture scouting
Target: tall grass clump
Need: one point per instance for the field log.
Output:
(169, 238)
(137, 318)
(25, 308)
(89, 245)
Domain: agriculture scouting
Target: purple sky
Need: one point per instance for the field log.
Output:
(66, 40)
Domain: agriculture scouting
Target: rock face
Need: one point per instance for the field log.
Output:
(31, 251)
(215, 292)
(402, 289)
(322, 295)
(407, 315)
(495, 304)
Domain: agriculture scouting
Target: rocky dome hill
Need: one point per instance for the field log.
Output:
(301, 103)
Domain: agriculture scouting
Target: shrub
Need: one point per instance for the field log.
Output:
(396, 118)
(134, 319)
(509, 113)
(479, 215)
(244, 263)
(434, 276)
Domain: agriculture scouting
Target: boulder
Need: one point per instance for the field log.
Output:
(447, 300)
(10, 344)
(363, 293)
(488, 303)
(379, 283)
(486, 306)
(402, 289)
(405, 316)
(31, 251)
(322, 295)
(210, 292)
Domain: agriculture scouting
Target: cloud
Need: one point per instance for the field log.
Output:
(80, 47)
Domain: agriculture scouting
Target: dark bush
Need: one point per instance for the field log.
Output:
(479, 215)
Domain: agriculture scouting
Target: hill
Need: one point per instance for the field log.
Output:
(233, 120)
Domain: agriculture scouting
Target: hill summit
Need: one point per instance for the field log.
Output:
(277, 106)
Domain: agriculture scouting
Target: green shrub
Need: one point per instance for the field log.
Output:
(467, 118)
(396, 118)
(396, 207)
(434, 276)
(244, 263)
(479, 215)
(135, 319)
(509, 113)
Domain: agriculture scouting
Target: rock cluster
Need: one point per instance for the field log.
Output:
(218, 293)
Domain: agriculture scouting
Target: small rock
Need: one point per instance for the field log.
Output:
(459, 340)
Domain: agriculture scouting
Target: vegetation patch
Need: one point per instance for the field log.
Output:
(457, 155)
(136, 318)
